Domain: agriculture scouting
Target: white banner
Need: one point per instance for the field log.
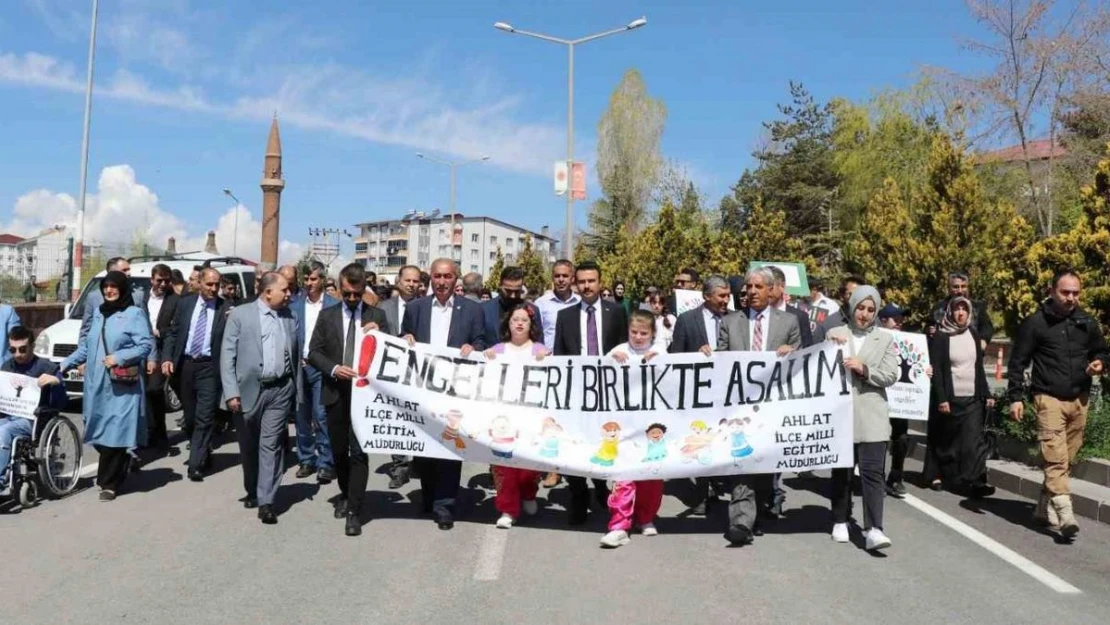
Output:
(685, 300)
(909, 397)
(19, 395)
(561, 175)
(678, 415)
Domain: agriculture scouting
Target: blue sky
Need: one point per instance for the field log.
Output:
(186, 89)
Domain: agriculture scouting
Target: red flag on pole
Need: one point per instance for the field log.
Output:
(578, 181)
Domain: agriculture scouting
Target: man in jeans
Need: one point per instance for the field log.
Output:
(1066, 348)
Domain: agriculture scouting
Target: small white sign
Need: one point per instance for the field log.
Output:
(909, 397)
(689, 300)
(19, 395)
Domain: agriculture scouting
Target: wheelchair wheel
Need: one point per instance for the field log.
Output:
(59, 457)
(28, 494)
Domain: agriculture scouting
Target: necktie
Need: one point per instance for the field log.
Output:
(200, 328)
(757, 338)
(591, 332)
(349, 347)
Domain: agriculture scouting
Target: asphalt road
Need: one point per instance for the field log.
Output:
(171, 551)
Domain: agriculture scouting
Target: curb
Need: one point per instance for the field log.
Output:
(1089, 499)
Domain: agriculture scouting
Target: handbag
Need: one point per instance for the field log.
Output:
(119, 373)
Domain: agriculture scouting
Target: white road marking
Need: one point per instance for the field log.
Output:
(491, 554)
(1019, 561)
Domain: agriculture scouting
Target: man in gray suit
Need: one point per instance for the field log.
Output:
(408, 289)
(760, 328)
(262, 385)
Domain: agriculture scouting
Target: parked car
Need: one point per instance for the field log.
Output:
(60, 340)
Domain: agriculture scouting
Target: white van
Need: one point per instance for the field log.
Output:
(60, 340)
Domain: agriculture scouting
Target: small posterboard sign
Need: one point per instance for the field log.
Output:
(797, 284)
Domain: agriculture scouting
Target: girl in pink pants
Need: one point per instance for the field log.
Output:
(635, 503)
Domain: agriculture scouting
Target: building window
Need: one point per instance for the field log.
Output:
(474, 237)
(360, 248)
(492, 255)
(492, 240)
(508, 244)
(474, 268)
(473, 253)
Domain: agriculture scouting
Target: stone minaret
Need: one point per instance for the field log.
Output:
(272, 185)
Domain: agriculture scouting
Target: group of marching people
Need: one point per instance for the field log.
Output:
(287, 355)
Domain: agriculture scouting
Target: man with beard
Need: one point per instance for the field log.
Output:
(510, 293)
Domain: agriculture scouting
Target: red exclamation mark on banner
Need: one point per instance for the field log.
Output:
(365, 357)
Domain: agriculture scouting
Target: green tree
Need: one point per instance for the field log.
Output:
(532, 263)
(493, 280)
(628, 163)
(795, 174)
(887, 253)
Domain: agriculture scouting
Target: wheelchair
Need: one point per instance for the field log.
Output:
(48, 463)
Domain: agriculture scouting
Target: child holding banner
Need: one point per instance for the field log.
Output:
(636, 502)
(522, 341)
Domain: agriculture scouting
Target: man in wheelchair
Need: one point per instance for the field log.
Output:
(24, 362)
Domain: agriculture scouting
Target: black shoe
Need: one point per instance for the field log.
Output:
(896, 489)
(196, 476)
(756, 529)
(354, 525)
(250, 503)
(444, 521)
(698, 510)
(340, 508)
(738, 536)
(937, 486)
(979, 491)
(107, 495)
(397, 481)
(266, 515)
(304, 471)
(325, 476)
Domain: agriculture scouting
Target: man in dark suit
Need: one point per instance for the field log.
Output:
(314, 453)
(160, 306)
(443, 320)
(592, 328)
(408, 288)
(696, 331)
(332, 353)
(778, 300)
(192, 352)
(511, 293)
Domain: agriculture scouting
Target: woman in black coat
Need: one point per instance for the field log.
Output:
(957, 451)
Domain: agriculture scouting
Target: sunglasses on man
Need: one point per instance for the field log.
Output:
(22, 349)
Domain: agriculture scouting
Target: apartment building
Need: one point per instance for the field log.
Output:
(418, 238)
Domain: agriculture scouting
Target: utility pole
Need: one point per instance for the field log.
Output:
(325, 244)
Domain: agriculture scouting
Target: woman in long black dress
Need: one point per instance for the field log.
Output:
(957, 451)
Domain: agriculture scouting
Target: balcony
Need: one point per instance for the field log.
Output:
(398, 234)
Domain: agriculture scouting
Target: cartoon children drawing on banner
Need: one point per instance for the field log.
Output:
(502, 437)
(657, 443)
(610, 436)
(696, 444)
(453, 432)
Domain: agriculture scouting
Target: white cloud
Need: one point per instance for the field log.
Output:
(122, 210)
(408, 111)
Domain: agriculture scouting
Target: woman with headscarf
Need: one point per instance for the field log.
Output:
(957, 454)
(871, 366)
(117, 345)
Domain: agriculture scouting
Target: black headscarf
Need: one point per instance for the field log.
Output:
(119, 280)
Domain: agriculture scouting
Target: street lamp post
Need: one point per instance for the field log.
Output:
(78, 246)
(453, 165)
(568, 240)
(235, 228)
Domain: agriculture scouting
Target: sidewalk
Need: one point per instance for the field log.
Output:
(1089, 499)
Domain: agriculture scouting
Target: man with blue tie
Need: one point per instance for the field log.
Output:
(192, 351)
(314, 453)
(443, 320)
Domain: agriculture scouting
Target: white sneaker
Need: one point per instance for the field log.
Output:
(649, 530)
(614, 539)
(840, 533)
(530, 507)
(876, 539)
(505, 522)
